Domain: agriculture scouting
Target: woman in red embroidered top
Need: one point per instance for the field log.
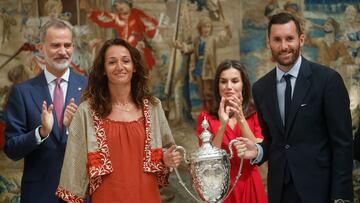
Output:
(117, 136)
(233, 117)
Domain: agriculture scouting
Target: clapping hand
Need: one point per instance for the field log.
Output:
(235, 106)
(47, 119)
(224, 112)
(69, 113)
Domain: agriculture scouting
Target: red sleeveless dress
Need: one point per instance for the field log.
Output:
(128, 182)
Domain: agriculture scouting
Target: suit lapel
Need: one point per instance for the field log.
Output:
(74, 89)
(40, 91)
(301, 87)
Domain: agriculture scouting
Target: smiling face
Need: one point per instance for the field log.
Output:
(230, 83)
(285, 43)
(57, 49)
(119, 67)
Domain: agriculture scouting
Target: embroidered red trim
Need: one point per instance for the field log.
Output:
(67, 196)
(105, 166)
(161, 171)
(156, 155)
(94, 159)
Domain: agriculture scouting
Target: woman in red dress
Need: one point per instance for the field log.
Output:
(120, 147)
(234, 116)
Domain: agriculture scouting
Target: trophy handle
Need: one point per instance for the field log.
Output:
(182, 183)
(230, 147)
(182, 149)
(240, 167)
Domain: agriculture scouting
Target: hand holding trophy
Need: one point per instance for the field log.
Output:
(210, 169)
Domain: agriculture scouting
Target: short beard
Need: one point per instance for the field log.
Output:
(296, 54)
(57, 66)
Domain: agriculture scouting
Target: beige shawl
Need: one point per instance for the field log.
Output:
(87, 156)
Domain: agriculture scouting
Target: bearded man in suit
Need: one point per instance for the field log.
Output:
(303, 109)
(38, 113)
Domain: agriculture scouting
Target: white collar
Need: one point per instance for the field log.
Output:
(50, 77)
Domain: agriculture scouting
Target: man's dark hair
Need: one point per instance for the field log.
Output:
(283, 18)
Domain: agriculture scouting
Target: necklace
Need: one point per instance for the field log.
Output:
(123, 106)
(124, 109)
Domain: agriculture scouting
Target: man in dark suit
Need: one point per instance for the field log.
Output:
(303, 109)
(38, 114)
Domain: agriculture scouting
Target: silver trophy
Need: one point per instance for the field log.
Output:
(209, 169)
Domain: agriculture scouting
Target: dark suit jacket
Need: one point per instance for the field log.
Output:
(357, 143)
(42, 163)
(317, 143)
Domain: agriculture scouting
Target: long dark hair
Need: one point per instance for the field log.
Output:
(97, 90)
(248, 104)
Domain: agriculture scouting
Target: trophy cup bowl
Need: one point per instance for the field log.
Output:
(209, 168)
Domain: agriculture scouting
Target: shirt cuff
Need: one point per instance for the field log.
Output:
(259, 156)
(38, 138)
